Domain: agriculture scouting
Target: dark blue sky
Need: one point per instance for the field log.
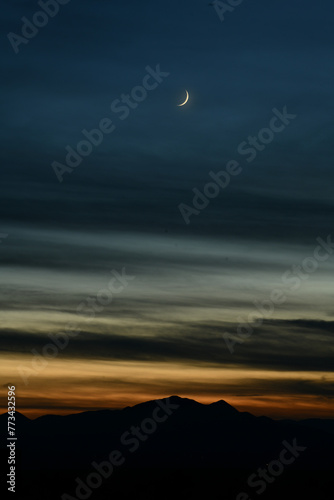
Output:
(120, 206)
(262, 56)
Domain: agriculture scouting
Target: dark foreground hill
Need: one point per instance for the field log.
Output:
(172, 448)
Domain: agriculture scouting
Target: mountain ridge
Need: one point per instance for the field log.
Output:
(173, 441)
(221, 403)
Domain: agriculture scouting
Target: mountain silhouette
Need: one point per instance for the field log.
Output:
(170, 448)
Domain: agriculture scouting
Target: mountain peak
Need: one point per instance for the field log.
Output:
(182, 401)
(222, 405)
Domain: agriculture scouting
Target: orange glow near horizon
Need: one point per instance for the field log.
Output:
(72, 386)
(277, 408)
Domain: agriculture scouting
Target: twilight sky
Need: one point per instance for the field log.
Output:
(164, 331)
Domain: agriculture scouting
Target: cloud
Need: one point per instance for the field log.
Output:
(279, 345)
(120, 206)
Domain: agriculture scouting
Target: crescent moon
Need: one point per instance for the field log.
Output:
(187, 98)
